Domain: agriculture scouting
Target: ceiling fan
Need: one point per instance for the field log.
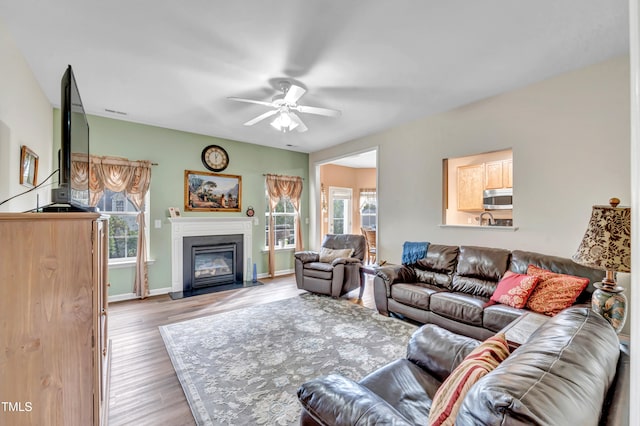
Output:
(285, 105)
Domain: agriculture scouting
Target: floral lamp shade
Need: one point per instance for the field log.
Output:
(606, 245)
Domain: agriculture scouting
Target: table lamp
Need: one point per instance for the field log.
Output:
(607, 246)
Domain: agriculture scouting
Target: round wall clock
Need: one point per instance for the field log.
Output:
(215, 158)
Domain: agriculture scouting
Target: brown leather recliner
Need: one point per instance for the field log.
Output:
(338, 277)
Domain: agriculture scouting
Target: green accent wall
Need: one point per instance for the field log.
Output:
(175, 152)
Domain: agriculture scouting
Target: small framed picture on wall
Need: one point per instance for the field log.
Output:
(28, 167)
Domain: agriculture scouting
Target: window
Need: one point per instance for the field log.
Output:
(340, 210)
(368, 208)
(123, 227)
(478, 189)
(284, 217)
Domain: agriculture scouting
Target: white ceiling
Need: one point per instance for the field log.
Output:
(358, 161)
(382, 63)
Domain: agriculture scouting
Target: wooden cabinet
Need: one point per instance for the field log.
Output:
(507, 173)
(470, 185)
(498, 174)
(54, 354)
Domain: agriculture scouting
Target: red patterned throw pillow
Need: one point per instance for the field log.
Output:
(554, 292)
(481, 361)
(515, 289)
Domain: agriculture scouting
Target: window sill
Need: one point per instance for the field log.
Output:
(120, 264)
(285, 248)
(484, 228)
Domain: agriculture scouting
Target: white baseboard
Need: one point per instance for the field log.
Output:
(277, 273)
(167, 290)
(132, 296)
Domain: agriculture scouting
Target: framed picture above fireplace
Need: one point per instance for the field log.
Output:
(212, 192)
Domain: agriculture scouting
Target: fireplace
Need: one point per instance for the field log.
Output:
(213, 260)
(213, 265)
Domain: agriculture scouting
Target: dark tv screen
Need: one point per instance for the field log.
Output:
(73, 157)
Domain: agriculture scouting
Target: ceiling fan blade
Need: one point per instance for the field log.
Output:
(261, 117)
(301, 126)
(319, 111)
(294, 94)
(251, 101)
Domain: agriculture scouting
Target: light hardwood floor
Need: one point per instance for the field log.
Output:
(144, 387)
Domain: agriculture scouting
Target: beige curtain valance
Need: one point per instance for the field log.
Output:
(118, 175)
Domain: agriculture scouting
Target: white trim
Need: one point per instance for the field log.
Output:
(201, 226)
(634, 296)
(129, 263)
(277, 273)
(346, 194)
(315, 236)
(133, 296)
(482, 227)
(167, 290)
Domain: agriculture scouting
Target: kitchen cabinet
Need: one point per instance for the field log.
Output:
(507, 173)
(469, 186)
(498, 174)
(53, 308)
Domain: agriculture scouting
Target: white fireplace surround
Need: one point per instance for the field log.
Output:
(205, 226)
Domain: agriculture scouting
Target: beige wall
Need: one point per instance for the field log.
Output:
(346, 177)
(570, 140)
(25, 119)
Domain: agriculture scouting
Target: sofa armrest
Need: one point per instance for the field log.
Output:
(307, 256)
(396, 273)
(437, 350)
(345, 260)
(337, 400)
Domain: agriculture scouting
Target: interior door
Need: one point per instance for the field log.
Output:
(340, 215)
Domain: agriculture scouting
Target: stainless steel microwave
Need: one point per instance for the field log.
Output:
(497, 199)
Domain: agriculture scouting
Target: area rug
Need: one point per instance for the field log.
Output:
(244, 367)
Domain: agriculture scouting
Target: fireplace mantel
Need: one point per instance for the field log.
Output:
(200, 226)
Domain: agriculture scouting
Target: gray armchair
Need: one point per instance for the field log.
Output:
(330, 271)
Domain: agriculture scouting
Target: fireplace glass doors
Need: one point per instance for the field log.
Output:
(210, 261)
(213, 265)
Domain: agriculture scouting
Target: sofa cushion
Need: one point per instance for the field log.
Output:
(554, 292)
(438, 266)
(318, 270)
(482, 360)
(338, 400)
(460, 307)
(497, 317)
(514, 289)
(438, 350)
(406, 387)
(479, 269)
(560, 376)
(328, 255)
(414, 295)
(341, 241)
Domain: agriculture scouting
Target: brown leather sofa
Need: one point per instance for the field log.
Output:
(333, 278)
(451, 286)
(571, 371)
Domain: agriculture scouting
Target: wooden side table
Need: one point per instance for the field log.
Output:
(518, 331)
(364, 271)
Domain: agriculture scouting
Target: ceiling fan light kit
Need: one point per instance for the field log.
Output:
(284, 123)
(284, 104)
